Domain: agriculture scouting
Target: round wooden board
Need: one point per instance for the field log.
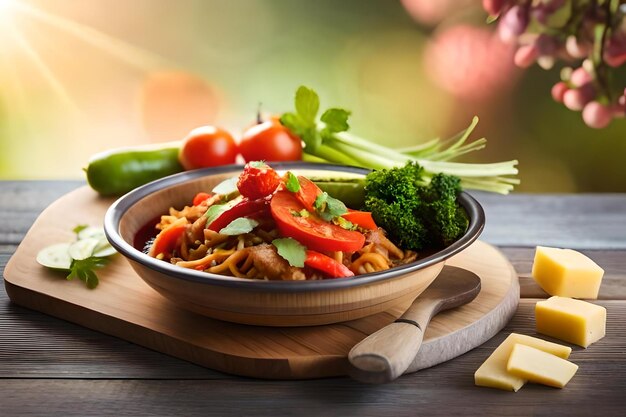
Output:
(124, 306)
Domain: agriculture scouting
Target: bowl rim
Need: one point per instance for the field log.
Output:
(116, 211)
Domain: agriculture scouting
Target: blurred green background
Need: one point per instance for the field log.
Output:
(79, 77)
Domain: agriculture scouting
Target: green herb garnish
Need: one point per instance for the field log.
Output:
(239, 226)
(83, 269)
(292, 184)
(291, 250)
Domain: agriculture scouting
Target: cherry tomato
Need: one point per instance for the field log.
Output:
(239, 207)
(207, 146)
(311, 231)
(166, 240)
(361, 218)
(257, 180)
(270, 141)
(200, 197)
(327, 265)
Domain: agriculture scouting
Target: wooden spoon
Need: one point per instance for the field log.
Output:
(385, 355)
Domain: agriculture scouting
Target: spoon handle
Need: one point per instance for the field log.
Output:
(385, 355)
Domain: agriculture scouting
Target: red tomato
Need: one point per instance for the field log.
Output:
(308, 192)
(166, 240)
(270, 141)
(327, 265)
(361, 218)
(200, 197)
(241, 207)
(311, 231)
(257, 180)
(207, 146)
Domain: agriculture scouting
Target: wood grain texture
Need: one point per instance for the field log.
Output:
(126, 307)
(579, 221)
(52, 367)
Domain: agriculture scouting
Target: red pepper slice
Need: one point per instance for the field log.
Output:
(166, 240)
(200, 197)
(327, 265)
(361, 218)
(242, 208)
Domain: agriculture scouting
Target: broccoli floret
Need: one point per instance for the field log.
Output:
(415, 214)
(446, 219)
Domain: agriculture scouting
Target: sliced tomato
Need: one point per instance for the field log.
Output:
(360, 218)
(243, 207)
(200, 197)
(327, 265)
(308, 192)
(166, 240)
(311, 231)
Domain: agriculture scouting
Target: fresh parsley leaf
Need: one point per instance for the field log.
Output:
(328, 207)
(292, 183)
(239, 226)
(291, 250)
(227, 187)
(336, 120)
(80, 228)
(84, 270)
(307, 104)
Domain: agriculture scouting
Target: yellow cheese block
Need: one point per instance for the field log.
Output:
(493, 373)
(538, 366)
(567, 273)
(574, 321)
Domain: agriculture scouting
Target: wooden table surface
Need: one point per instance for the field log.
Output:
(52, 367)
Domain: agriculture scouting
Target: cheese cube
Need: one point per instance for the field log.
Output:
(493, 373)
(537, 366)
(574, 321)
(567, 273)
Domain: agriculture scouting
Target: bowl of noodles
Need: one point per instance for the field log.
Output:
(251, 267)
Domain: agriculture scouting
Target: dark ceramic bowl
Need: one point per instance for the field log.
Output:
(260, 302)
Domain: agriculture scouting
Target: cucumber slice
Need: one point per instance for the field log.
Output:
(91, 231)
(351, 192)
(83, 249)
(104, 248)
(56, 256)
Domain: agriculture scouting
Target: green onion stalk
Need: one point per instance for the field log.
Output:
(329, 141)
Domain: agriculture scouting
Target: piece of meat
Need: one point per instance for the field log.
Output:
(378, 237)
(271, 265)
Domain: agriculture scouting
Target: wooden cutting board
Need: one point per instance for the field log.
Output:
(124, 306)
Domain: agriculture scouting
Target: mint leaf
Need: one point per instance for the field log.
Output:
(226, 187)
(239, 226)
(307, 104)
(336, 120)
(292, 183)
(291, 250)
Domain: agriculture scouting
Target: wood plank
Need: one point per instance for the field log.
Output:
(426, 393)
(577, 221)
